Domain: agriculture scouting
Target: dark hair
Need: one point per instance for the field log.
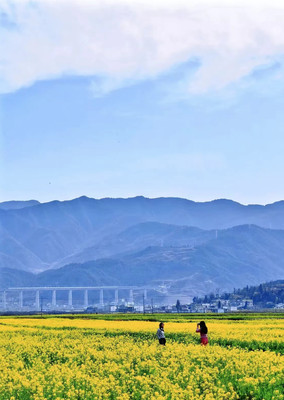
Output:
(160, 325)
(203, 327)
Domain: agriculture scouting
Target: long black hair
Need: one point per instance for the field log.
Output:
(203, 327)
(160, 325)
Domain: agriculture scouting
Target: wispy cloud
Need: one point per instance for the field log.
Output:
(123, 42)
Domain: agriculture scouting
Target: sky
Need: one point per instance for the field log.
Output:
(164, 98)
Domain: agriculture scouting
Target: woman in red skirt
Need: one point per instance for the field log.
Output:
(202, 329)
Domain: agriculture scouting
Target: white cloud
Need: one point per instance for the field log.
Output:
(125, 41)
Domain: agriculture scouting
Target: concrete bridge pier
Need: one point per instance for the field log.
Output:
(70, 298)
(5, 300)
(37, 305)
(53, 301)
(131, 299)
(86, 299)
(101, 297)
(21, 299)
(116, 297)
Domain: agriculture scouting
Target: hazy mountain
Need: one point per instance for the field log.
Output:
(138, 237)
(16, 205)
(15, 278)
(15, 255)
(60, 232)
(234, 258)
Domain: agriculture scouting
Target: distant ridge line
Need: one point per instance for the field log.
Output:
(139, 197)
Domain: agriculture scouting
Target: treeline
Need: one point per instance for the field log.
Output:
(271, 292)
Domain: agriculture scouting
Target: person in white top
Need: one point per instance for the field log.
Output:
(161, 334)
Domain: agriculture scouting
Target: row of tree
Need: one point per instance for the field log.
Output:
(263, 294)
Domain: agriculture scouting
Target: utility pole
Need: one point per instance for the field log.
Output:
(152, 306)
(143, 303)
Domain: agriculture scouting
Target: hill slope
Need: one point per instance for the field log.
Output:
(55, 232)
(236, 257)
(16, 205)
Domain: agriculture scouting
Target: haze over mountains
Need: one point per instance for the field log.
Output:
(192, 246)
(15, 205)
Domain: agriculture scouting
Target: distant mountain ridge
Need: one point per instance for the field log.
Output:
(232, 258)
(151, 234)
(138, 237)
(16, 205)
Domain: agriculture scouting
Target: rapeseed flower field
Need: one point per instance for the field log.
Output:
(63, 358)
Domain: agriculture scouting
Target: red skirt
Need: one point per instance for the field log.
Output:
(204, 341)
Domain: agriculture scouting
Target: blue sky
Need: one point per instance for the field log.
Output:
(198, 119)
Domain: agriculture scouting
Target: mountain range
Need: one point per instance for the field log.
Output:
(194, 247)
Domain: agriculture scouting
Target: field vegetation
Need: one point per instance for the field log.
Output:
(118, 357)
